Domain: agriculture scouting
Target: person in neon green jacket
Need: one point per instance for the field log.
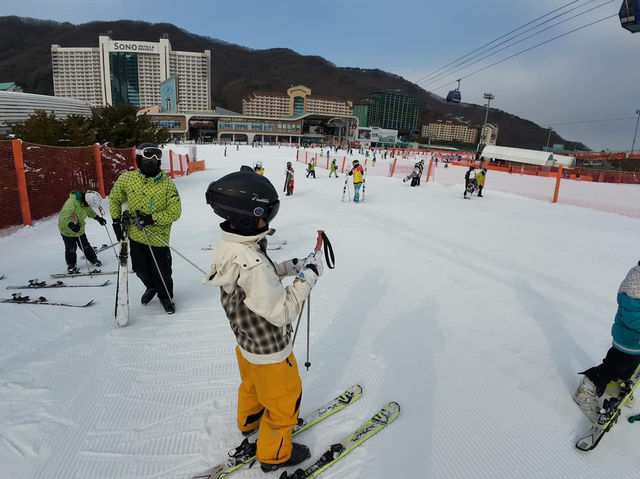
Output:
(71, 222)
(153, 205)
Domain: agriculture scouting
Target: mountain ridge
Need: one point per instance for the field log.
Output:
(236, 70)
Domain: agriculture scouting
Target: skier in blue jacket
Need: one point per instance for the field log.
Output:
(623, 358)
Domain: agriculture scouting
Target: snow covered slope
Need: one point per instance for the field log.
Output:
(475, 315)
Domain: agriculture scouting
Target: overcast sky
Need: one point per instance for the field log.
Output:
(570, 84)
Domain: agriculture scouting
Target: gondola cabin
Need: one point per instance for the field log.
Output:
(454, 96)
(629, 15)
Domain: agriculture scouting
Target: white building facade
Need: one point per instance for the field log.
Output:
(17, 107)
(130, 72)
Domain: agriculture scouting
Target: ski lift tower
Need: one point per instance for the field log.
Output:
(488, 97)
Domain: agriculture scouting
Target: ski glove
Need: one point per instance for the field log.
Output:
(75, 227)
(142, 220)
(117, 229)
(101, 220)
(293, 266)
(312, 269)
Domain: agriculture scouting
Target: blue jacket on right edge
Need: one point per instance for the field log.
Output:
(626, 327)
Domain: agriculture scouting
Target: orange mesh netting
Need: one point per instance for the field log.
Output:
(9, 199)
(115, 161)
(53, 172)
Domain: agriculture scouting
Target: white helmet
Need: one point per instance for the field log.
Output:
(94, 200)
(258, 164)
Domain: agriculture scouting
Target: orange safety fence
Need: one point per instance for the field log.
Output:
(50, 173)
(9, 195)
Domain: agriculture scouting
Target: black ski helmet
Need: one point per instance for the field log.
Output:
(242, 198)
(148, 159)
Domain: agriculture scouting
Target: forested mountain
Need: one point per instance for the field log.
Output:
(25, 57)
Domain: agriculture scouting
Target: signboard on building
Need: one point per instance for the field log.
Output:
(134, 47)
(382, 135)
(364, 134)
(169, 94)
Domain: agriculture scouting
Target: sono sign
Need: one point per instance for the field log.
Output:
(134, 47)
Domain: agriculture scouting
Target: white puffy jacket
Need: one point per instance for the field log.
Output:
(246, 275)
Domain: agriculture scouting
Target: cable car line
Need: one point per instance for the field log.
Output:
(527, 49)
(499, 38)
(490, 53)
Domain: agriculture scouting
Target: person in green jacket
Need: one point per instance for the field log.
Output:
(480, 179)
(153, 205)
(334, 168)
(71, 222)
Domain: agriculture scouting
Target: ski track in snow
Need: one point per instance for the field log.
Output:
(474, 315)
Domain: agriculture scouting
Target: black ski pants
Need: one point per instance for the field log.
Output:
(145, 268)
(72, 243)
(616, 365)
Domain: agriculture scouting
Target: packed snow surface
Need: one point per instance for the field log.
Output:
(474, 315)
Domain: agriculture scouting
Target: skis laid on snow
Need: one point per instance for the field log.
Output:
(276, 245)
(246, 451)
(101, 248)
(96, 272)
(609, 414)
(377, 423)
(35, 284)
(270, 246)
(17, 298)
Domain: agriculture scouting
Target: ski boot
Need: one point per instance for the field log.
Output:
(147, 296)
(586, 397)
(168, 305)
(300, 453)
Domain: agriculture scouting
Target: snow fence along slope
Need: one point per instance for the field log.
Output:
(474, 315)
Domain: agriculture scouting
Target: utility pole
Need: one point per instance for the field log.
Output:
(488, 97)
(549, 137)
(634, 135)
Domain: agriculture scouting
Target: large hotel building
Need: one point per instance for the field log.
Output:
(450, 131)
(297, 101)
(120, 72)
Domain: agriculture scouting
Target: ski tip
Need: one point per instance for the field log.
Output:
(89, 303)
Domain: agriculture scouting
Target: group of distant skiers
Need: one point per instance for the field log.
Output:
(260, 309)
(474, 180)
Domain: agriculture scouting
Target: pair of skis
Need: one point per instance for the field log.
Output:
(101, 249)
(35, 284)
(246, 451)
(611, 410)
(270, 246)
(95, 272)
(17, 298)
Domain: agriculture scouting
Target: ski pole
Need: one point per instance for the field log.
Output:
(75, 220)
(331, 264)
(174, 250)
(111, 241)
(144, 230)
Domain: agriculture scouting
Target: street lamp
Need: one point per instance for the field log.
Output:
(488, 97)
(636, 132)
